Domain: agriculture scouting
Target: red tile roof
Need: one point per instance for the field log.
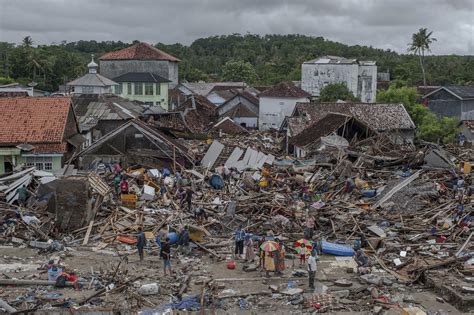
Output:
(284, 89)
(140, 51)
(35, 120)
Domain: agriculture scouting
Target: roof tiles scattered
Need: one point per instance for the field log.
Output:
(139, 51)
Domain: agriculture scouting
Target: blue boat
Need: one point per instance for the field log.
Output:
(336, 249)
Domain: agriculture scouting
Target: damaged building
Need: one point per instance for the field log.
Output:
(391, 119)
(135, 142)
(360, 77)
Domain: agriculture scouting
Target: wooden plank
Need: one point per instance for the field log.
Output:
(88, 233)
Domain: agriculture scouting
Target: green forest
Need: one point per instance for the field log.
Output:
(268, 59)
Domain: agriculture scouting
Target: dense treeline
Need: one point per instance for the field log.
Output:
(273, 57)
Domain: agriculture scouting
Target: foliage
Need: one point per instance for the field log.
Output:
(420, 43)
(334, 92)
(274, 58)
(4, 80)
(238, 71)
(429, 127)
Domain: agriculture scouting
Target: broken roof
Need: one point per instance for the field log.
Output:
(139, 51)
(140, 77)
(33, 120)
(321, 128)
(155, 136)
(92, 108)
(462, 92)
(379, 116)
(339, 60)
(228, 126)
(285, 89)
(240, 110)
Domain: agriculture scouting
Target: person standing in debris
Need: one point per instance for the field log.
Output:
(461, 139)
(189, 197)
(279, 258)
(302, 254)
(309, 228)
(312, 269)
(165, 254)
(124, 186)
(141, 243)
(22, 195)
(183, 245)
(239, 241)
(117, 180)
(117, 168)
(261, 253)
(249, 253)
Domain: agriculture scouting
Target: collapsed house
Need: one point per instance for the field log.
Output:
(135, 142)
(98, 115)
(333, 130)
(193, 116)
(241, 108)
(390, 119)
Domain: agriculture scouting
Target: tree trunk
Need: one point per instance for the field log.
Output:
(422, 68)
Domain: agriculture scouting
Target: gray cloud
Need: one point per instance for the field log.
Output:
(379, 23)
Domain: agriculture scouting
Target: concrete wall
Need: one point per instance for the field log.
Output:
(466, 131)
(79, 89)
(360, 80)
(273, 110)
(316, 76)
(113, 68)
(367, 84)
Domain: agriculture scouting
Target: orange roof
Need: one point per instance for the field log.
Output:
(34, 120)
(140, 51)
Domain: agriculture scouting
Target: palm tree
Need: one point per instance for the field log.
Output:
(27, 41)
(420, 42)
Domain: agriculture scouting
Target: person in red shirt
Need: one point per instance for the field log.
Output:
(124, 186)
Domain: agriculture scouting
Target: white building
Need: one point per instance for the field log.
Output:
(278, 102)
(359, 76)
(92, 82)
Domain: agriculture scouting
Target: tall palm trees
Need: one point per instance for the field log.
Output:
(420, 43)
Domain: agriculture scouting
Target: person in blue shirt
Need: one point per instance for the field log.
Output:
(141, 243)
(239, 241)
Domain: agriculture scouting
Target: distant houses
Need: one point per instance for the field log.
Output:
(360, 77)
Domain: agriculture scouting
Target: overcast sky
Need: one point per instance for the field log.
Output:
(384, 24)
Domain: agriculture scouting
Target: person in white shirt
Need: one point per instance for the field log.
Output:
(312, 269)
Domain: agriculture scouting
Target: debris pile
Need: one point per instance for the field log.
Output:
(386, 221)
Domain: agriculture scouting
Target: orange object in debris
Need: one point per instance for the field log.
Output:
(265, 172)
(231, 264)
(364, 206)
(127, 239)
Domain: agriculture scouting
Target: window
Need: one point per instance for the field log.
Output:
(87, 89)
(158, 89)
(148, 88)
(118, 89)
(129, 88)
(138, 88)
(40, 162)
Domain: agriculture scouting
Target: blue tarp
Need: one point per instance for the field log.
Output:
(336, 249)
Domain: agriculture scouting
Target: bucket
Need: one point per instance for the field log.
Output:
(173, 238)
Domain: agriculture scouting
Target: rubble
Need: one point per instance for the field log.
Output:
(388, 225)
